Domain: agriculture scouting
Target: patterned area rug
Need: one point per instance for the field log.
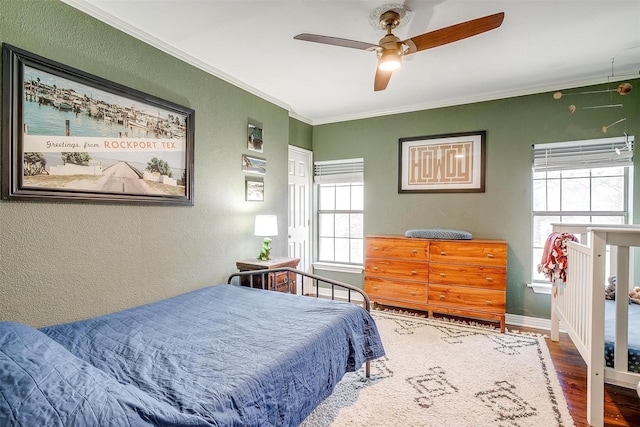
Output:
(440, 374)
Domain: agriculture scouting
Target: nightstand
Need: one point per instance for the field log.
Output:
(283, 281)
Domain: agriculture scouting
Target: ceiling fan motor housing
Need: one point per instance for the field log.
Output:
(391, 42)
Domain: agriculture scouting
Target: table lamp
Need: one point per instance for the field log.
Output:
(266, 226)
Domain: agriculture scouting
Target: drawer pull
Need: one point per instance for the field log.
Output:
(489, 279)
(375, 248)
(442, 296)
(413, 293)
(375, 288)
(489, 255)
(488, 302)
(375, 268)
(413, 272)
(443, 275)
(443, 253)
(414, 251)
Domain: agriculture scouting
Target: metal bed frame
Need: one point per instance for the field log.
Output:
(309, 285)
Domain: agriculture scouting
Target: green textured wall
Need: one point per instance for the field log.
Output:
(503, 211)
(62, 261)
(300, 134)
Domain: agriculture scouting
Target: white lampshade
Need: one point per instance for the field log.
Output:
(266, 225)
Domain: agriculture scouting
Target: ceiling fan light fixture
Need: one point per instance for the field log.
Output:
(389, 61)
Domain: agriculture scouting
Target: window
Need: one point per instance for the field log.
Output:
(581, 182)
(340, 207)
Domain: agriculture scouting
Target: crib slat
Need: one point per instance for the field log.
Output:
(595, 363)
(621, 352)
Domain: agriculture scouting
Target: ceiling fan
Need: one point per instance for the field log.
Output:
(390, 49)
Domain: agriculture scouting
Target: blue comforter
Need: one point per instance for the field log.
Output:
(223, 355)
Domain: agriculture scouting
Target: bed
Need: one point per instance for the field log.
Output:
(595, 325)
(225, 355)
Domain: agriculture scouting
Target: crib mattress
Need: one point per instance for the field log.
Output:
(610, 333)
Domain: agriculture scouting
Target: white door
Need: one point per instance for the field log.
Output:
(300, 182)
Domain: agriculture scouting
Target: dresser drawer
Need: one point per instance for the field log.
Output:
(468, 275)
(466, 252)
(397, 248)
(467, 298)
(396, 268)
(396, 290)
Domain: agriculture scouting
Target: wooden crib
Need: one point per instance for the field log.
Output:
(579, 304)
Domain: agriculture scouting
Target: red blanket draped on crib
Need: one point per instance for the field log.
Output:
(554, 257)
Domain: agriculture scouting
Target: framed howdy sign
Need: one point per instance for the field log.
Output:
(442, 163)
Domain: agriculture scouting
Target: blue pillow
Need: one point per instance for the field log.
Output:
(41, 383)
(438, 233)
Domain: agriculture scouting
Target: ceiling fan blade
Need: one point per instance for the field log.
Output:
(456, 32)
(381, 80)
(336, 41)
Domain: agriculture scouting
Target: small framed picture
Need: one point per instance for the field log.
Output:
(254, 165)
(254, 138)
(254, 189)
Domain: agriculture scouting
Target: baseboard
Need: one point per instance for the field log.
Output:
(338, 294)
(510, 319)
(531, 322)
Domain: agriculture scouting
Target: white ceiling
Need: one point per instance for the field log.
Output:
(542, 45)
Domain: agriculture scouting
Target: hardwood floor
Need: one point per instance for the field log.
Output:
(621, 405)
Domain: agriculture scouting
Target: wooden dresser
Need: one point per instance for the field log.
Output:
(458, 277)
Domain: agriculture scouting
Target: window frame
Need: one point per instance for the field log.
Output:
(338, 173)
(320, 211)
(576, 162)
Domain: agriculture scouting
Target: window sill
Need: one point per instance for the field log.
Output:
(540, 288)
(342, 268)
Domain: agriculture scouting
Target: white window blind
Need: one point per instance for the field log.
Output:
(333, 171)
(605, 152)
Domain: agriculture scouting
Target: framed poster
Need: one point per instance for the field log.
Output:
(72, 136)
(452, 163)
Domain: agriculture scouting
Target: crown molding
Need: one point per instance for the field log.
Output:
(494, 96)
(110, 20)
